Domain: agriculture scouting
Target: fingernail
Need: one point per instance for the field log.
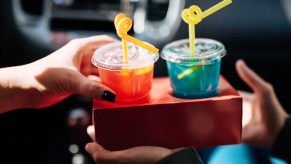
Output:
(87, 147)
(108, 96)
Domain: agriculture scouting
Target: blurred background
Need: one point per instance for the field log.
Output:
(257, 31)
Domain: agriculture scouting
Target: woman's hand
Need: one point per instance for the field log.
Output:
(139, 155)
(54, 77)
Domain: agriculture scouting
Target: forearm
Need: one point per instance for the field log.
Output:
(13, 93)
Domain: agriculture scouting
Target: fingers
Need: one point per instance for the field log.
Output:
(96, 151)
(94, 71)
(142, 154)
(178, 149)
(251, 78)
(96, 41)
(247, 96)
(93, 39)
(88, 44)
(91, 132)
(101, 155)
(84, 86)
(248, 135)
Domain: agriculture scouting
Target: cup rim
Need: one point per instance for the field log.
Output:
(169, 54)
(104, 64)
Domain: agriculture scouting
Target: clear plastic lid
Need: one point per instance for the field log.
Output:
(110, 56)
(207, 50)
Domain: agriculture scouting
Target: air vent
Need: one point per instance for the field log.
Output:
(32, 7)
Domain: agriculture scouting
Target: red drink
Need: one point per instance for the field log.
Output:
(130, 80)
(128, 84)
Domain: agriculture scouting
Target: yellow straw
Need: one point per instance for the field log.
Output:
(215, 8)
(123, 24)
(188, 71)
(193, 16)
(141, 44)
(192, 39)
(125, 50)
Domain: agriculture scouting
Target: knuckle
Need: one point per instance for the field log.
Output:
(74, 41)
(267, 88)
(94, 90)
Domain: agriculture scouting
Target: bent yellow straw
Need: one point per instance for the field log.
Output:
(215, 8)
(193, 16)
(123, 24)
(188, 71)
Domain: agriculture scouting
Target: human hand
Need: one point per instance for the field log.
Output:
(55, 77)
(266, 115)
(142, 154)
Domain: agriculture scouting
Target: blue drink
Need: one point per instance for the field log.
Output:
(194, 76)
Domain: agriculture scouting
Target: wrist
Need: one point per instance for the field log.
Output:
(13, 88)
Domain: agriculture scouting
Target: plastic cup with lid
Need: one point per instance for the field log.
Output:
(194, 76)
(130, 80)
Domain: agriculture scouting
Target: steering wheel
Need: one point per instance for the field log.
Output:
(37, 28)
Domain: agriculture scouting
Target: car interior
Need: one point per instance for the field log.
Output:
(257, 31)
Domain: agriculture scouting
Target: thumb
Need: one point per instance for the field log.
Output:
(84, 86)
(94, 150)
(91, 132)
(250, 77)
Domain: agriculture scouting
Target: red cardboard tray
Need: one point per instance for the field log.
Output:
(163, 120)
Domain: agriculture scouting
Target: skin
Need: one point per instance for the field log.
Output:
(267, 115)
(265, 119)
(141, 155)
(53, 78)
